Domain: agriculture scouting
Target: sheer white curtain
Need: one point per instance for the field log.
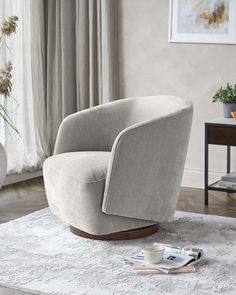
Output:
(24, 152)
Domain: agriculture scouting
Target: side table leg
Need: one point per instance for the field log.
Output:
(206, 168)
(228, 158)
(228, 162)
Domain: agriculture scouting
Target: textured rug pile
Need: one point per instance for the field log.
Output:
(38, 253)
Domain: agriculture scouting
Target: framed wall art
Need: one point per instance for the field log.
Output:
(202, 21)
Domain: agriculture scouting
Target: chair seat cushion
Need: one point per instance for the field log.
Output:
(74, 184)
(82, 166)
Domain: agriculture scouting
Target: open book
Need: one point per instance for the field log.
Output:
(174, 258)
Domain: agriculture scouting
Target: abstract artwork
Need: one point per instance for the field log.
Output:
(202, 21)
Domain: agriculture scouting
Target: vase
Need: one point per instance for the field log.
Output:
(3, 165)
(228, 108)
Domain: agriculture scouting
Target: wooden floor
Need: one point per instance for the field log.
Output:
(23, 198)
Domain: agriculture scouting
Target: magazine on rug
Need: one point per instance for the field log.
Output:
(141, 269)
(175, 257)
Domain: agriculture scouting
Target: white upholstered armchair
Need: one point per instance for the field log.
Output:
(118, 167)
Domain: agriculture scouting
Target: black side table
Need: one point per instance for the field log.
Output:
(219, 132)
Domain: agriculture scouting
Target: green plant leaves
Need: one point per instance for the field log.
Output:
(226, 94)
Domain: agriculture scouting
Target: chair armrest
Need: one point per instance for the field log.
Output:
(92, 129)
(146, 168)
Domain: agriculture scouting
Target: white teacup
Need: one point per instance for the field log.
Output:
(153, 253)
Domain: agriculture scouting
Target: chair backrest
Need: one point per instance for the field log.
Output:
(152, 107)
(117, 115)
(97, 128)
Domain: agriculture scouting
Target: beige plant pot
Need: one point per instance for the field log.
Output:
(3, 165)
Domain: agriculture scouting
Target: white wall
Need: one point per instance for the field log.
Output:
(150, 65)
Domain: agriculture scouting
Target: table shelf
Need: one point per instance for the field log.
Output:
(216, 187)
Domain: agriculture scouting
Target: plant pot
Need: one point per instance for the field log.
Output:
(3, 165)
(228, 108)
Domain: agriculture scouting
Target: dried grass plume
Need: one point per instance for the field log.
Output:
(9, 26)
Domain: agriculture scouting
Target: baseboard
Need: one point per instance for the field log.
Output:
(14, 178)
(195, 177)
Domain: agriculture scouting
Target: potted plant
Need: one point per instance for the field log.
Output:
(8, 27)
(226, 95)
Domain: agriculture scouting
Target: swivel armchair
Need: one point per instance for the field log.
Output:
(117, 168)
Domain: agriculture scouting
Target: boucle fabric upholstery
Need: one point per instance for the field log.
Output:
(119, 166)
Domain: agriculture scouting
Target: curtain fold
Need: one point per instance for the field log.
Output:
(38, 68)
(81, 56)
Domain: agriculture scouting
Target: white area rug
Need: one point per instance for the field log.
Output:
(38, 253)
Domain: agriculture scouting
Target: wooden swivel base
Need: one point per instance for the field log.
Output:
(123, 235)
